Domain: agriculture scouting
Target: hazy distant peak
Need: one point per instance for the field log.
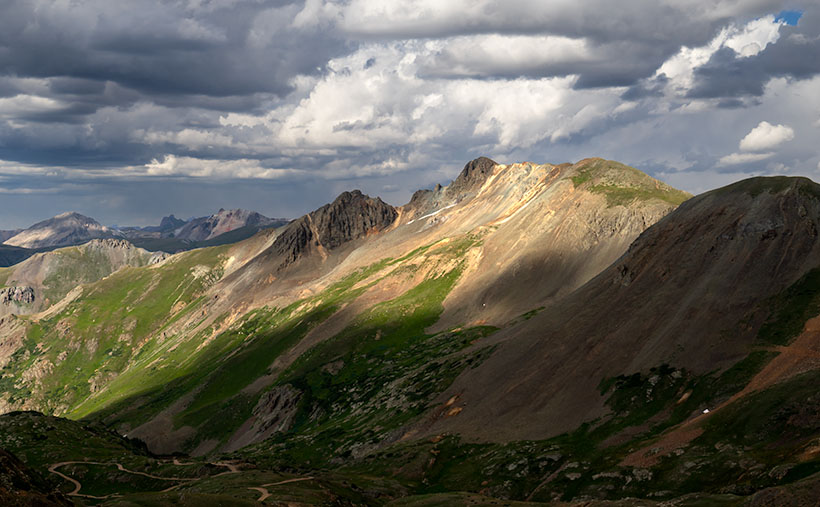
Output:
(205, 228)
(65, 229)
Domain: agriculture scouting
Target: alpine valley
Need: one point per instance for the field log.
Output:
(573, 334)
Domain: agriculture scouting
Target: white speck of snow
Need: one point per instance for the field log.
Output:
(431, 214)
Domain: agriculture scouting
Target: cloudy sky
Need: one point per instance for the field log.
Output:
(127, 111)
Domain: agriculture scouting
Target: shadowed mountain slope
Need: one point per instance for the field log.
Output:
(20, 487)
(692, 291)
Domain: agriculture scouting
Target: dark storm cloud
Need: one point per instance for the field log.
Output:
(149, 107)
(795, 55)
(61, 64)
(646, 88)
(160, 48)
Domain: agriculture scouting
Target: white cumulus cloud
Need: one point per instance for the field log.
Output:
(766, 136)
(743, 158)
(171, 165)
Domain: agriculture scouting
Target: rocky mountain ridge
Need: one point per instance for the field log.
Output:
(206, 228)
(352, 215)
(172, 235)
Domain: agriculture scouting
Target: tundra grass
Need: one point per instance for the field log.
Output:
(582, 463)
(94, 338)
(773, 185)
(384, 360)
(622, 185)
(5, 273)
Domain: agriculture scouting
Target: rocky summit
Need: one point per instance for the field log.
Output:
(570, 334)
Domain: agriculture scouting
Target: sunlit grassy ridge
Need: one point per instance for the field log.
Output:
(621, 184)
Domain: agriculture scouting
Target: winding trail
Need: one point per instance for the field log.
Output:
(232, 469)
(263, 489)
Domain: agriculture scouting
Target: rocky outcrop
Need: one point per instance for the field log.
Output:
(109, 244)
(351, 216)
(474, 174)
(276, 409)
(169, 223)
(16, 295)
(158, 257)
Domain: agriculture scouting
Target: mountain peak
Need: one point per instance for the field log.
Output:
(205, 228)
(350, 216)
(70, 228)
(772, 185)
(620, 183)
(72, 215)
(474, 174)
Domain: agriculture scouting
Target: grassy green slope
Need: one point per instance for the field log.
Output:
(73, 353)
(621, 184)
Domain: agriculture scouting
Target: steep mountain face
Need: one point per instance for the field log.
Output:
(351, 216)
(63, 230)
(206, 228)
(529, 332)
(474, 174)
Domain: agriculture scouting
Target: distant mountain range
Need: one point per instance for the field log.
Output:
(171, 235)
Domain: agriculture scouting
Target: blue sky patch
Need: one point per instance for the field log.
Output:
(789, 17)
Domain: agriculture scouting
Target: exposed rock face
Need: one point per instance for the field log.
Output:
(205, 228)
(158, 257)
(63, 230)
(16, 295)
(473, 175)
(276, 409)
(109, 243)
(351, 216)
